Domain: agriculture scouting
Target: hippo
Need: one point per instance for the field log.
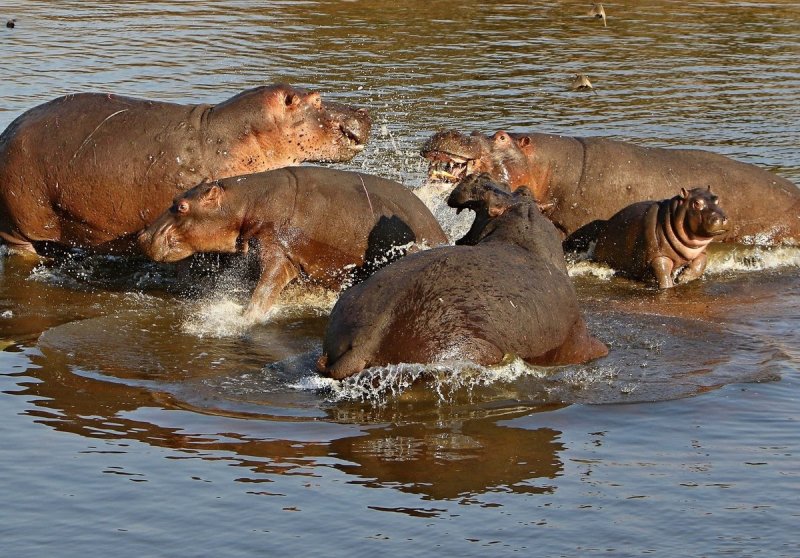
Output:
(92, 169)
(328, 226)
(584, 179)
(663, 239)
(508, 293)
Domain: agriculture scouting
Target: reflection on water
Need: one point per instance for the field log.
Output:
(118, 386)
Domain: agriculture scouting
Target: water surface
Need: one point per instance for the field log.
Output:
(137, 421)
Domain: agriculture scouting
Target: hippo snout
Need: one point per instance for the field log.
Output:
(716, 223)
(356, 127)
(159, 244)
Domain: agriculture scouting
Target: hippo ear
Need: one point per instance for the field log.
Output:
(314, 99)
(684, 193)
(523, 192)
(501, 137)
(291, 100)
(213, 196)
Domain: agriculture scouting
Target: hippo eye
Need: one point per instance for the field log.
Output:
(698, 204)
(183, 207)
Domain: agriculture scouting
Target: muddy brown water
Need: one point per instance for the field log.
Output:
(137, 421)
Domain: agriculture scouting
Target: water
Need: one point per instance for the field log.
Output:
(137, 421)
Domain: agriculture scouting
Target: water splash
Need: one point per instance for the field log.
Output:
(434, 196)
(220, 314)
(447, 381)
(753, 258)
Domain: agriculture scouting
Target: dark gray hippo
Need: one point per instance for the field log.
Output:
(580, 180)
(665, 240)
(90, 169)
(507, 294)
(322, 225)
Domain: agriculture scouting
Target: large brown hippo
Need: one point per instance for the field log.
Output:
(584, 179)
(507, 294)
(662, 239)
(327, 226)
(90, 168)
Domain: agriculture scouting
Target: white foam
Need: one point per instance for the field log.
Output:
(584, 268)
(434, 196)
(221, 315)
(380, 384)
(753, 258)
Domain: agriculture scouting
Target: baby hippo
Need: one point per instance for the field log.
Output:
(321, 224)
(509, 293)
(663, 238)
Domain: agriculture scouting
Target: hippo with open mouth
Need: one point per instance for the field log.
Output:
(579, 180)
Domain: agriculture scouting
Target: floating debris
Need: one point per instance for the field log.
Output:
(598, 12)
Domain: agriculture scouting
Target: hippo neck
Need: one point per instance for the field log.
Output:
(523, 225)
(261, 206)
(233, 147)
(555, 167)
(675, 232)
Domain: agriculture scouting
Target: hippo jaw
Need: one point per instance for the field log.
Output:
(160, 243)
(351, 128)
(453, 156)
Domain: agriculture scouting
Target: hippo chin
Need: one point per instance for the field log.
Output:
(665, 240)
(88, 169)
(326, 226)
(580, 180)
(509, 293)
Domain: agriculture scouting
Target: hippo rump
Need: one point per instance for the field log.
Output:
(584, 179)
(665, 240)
(326, 226)
(509, 293)
(90, 168)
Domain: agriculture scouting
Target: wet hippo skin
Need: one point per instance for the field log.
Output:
(659, 240)
(329, 226)
(580, 180)
(90, 168)
(507, 294)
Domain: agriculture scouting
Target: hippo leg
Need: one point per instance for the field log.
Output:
(579, 347)
(276, 272)
(662, 268)
(17, 245)
(694, 270)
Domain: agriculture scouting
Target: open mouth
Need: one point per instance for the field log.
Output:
(354, 142)
(447, 168)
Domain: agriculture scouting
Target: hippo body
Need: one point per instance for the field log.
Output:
(325, 225)
(507, 294)
(90, 168)
(657, 239)
(581, 180)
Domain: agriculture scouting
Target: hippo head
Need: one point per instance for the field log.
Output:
(700, 213)
(197, 221)
(454, 156)
(487, 199)
(294, 125)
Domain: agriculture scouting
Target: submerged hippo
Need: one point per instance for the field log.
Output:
(507, 294)
(663, 238)
(583, 179)
(325, 225)
(90, 168)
